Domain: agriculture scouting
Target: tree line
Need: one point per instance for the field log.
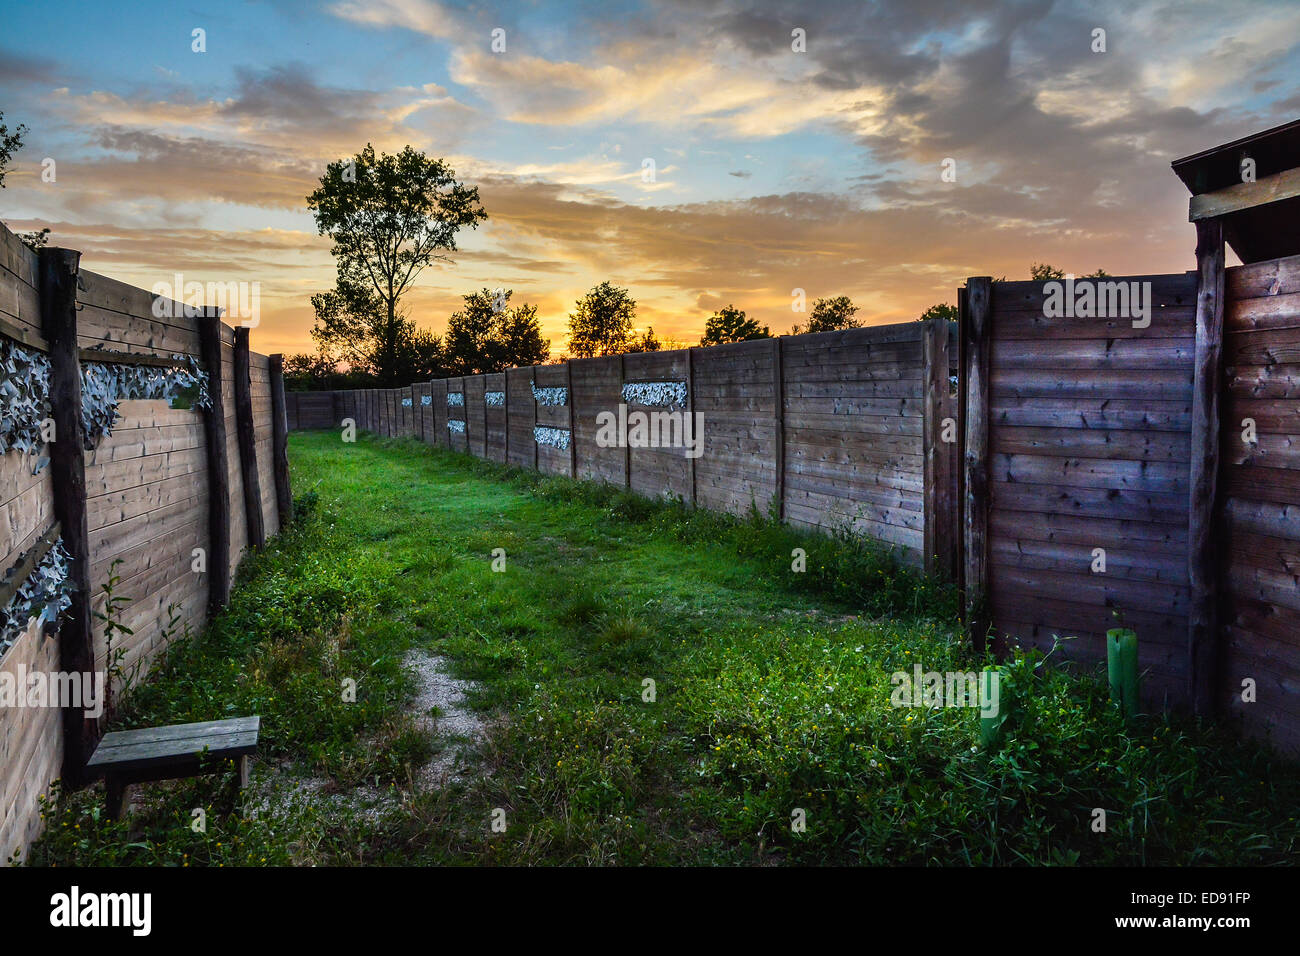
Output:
(389, 217)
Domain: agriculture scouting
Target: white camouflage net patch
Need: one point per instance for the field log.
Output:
(456, 425)
(661, 394)
(456, 399)
(555, 437)
(45, 594)
(558, 395)
(495, 399)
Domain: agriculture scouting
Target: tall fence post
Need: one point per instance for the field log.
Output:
(573, 420)
(627, 445)
(214, 429)
(533, 385)
(280, 440)
(247, 442)
(778, 426)
(940, 517)
(976, 339)
(690, 411)
(1202, 619)
(58, 303)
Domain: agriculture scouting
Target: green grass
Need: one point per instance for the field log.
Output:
(771, 694)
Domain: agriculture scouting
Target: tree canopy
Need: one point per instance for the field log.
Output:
(830, 315)
(486, 335)
(730, 324)
(389, 217)
(10, 143)
(601, 322)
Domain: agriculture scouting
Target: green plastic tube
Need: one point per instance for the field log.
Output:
(1122, 668)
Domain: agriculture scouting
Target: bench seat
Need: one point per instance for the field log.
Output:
(180, 750)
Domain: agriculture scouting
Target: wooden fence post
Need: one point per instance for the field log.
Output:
(778, 425)
(247, 442)
(573, 421)
(976, 352)
(690, 410)
(280, 441)
(533, 383)
(1202, 619)
(214, 429)
(58, 303)
(940, 519)
(627, 446)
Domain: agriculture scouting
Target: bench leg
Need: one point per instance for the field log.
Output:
(115, 788)
(245, 768)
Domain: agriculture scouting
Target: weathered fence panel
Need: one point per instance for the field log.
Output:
(1260, 495)
(1086, 466)
(835, 430)
(148, 499)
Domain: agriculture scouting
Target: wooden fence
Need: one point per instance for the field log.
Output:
(833, 430)
(1112, 470)
(1080, 500)
(164, 482)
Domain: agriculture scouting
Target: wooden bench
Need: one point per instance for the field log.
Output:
(163, 753)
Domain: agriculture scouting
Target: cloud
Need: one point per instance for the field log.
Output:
(422, 16)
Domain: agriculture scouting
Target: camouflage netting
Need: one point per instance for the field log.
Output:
(555, 437)
(105, 384)
(456, 425)
(426, 399)
(495, 399)
(661, 394)
(24, 397)
(45, 594)
(406, 403)
(456, 399)
(551, 396)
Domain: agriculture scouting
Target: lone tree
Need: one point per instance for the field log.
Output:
(489, 336)
(830, 315)
(730, 324)
(389, 217)
(10, 143)
(601, 322)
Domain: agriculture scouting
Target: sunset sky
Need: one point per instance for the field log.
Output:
(775, 169)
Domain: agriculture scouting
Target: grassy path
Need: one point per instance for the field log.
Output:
(661, 687)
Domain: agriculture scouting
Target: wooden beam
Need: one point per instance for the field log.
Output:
(1242, 196)
(627, 445)
(573, 421)
(21, 333)
(247, 443)
(1202, 620)
(959, 507)
(690, 410)
(58, 298)
(280, 441)
(778, 428)
(214, 430)
(976, 350)
(940, 520)
(113, 357)
(533, 382)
